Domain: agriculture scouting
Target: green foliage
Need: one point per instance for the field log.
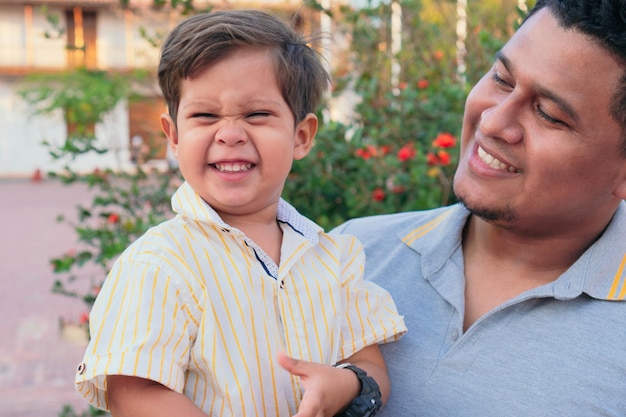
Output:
(124, 207)
(84, 97)
(68, 411)
(388, 164)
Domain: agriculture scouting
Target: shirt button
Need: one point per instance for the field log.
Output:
(455, 335)
(81, 368)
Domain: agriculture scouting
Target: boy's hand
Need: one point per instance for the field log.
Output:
(327, 390)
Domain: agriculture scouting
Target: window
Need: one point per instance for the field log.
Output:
(81, 38)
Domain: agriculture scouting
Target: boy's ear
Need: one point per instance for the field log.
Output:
(169, 128)
(304, 135)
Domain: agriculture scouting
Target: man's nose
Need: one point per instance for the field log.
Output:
(502, 120)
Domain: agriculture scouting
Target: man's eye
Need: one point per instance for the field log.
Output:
(546, 116)
(498, 80)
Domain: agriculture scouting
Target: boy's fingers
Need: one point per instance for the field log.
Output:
(294, 366)
(286, 362)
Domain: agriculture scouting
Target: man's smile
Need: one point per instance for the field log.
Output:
(494, 163)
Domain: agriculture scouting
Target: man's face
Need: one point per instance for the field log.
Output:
(540, 150)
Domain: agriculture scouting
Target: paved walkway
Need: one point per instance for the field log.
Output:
(36, 364)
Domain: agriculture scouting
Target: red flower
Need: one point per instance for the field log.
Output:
(406, 152)
(370, 151)
(385, 149)
(364, 153)
(422, 84)
(438, 55)
(378, 194)
(444, 157)
(431, 159)
(444, 140)
(113, 218)
(98, 173)
(84, 318)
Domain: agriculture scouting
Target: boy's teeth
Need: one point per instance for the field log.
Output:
(233, 167)
(493, 162)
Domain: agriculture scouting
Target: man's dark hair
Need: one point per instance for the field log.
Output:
(604, 21)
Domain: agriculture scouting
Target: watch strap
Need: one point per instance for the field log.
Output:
(369, 400)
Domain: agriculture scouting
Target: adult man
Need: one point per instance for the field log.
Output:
(514, 299)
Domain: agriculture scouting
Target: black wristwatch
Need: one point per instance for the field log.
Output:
(369, 400)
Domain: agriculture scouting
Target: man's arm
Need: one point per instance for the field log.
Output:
(137, 397)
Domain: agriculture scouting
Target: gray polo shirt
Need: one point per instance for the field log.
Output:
(556, 350)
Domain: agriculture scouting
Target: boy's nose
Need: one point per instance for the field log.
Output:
(231, 133)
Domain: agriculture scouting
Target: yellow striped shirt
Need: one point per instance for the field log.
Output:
(198, 307)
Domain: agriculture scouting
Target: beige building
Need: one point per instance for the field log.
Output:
(95, 34)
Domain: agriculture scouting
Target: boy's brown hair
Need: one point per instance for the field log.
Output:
(204, 39)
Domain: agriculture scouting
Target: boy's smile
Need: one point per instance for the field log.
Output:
(236, 137)
(232, 166)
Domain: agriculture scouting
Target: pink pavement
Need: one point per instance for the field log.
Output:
(37, 364)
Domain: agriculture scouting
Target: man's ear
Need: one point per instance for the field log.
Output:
(304, 135)
(620, 189)
(169, 128)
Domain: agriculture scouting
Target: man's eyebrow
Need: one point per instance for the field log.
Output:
(542, 91)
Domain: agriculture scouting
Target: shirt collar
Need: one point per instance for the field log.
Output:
(600, 272)
(188, 203)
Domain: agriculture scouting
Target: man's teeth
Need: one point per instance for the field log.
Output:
(233, 167)
(493, 162)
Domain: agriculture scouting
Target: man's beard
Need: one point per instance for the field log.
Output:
(503, 216)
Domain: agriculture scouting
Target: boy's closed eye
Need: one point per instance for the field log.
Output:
(258, 114)
(204, 116)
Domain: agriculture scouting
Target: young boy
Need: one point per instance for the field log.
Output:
(194, 317)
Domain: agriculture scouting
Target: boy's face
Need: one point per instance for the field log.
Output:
(236, 137)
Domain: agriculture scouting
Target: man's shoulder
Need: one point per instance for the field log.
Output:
(396, 222)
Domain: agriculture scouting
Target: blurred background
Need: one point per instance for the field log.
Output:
(84, 169)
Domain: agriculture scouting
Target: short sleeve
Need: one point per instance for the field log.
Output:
(371, 316)
(140, 325)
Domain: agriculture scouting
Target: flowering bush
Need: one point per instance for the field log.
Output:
(126, 205)
(400, 157)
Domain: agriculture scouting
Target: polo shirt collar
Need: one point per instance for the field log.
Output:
(600, 272)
